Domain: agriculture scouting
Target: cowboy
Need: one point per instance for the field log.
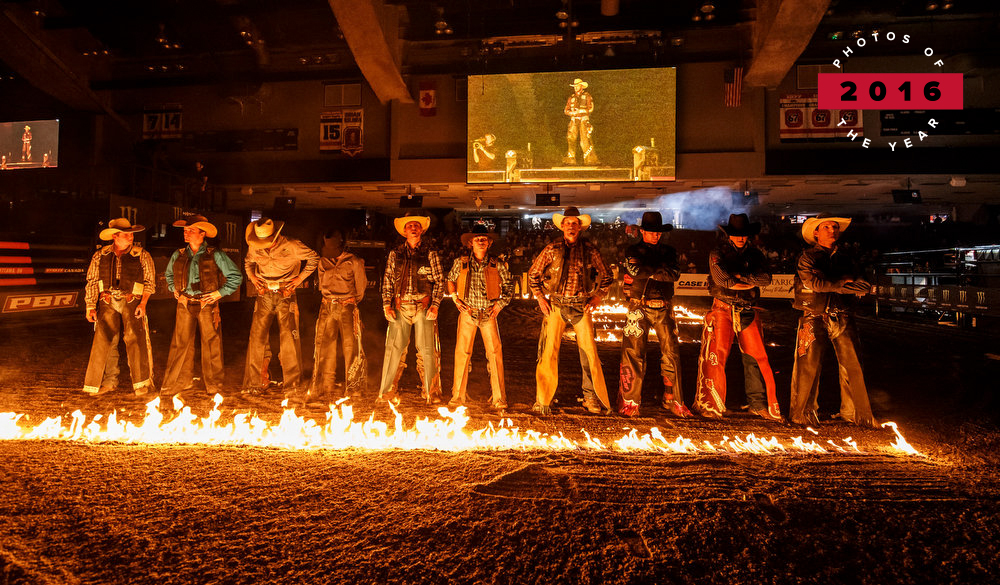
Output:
(484, 151)
(120, 279)
(412, 289)
(199, 276)
(481, 286)
(650, 271)
(579, 107)
(274, 266)
(562, 272)
(26, 144)
(827, 282)
(342, 282)
(737, 271)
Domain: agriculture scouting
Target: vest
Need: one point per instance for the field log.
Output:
(746, 261)
(491, 274)
(554, 276)
(209, 275)
(131, 280)
(651, 258)
(423, 285)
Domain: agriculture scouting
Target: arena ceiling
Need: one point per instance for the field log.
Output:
(74, 49)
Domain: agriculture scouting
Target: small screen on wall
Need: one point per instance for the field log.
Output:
(588, 126)
(33, 144)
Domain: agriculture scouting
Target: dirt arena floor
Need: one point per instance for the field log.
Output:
(76, 512)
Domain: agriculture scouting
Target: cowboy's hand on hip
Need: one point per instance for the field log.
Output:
(211, 298)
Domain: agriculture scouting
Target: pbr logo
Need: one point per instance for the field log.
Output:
(39, 302)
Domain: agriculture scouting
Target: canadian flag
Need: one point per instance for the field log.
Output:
(428, 98)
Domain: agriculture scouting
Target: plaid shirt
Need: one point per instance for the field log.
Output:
(389, 291)
(92, 287)
(573, 265)
(477, 282)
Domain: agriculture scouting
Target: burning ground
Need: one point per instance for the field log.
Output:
(75, 511)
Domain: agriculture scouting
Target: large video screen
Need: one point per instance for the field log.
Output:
(33, 144)
(611, 125)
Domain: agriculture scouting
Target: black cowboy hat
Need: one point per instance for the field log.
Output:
(652, 221)
(740, 226)
(477, 230)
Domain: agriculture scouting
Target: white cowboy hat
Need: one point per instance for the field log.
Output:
(263, 232)
(579, 81)
(557, 218)
(198, 221)
(400, 222)
(810, 225)
(119, 225)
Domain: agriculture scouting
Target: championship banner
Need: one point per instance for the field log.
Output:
(331, 130)
(162, 123)
(801, 118)
(353, 131)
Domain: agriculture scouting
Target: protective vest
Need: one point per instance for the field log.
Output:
(654, 280)
(833, 268)
(416, 268)
(490, 273)
(210, 278)
(737, 261)
(130, 280)
(554, 276)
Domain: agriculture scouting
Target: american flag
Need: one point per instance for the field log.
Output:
(733, 84)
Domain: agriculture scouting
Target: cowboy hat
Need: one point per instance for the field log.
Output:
(119, 225)
(197, 221)
(579, 81)
(477, 230)
(652, 221)
(557, 218)
(740, 226)
(810, 225)
(263, 232)
(400, 222)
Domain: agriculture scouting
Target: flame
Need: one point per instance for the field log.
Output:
(900, 443)
(609, 319)
(448, 432)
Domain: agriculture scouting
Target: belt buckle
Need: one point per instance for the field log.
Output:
(656, 304)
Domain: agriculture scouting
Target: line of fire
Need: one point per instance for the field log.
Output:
(453, 291)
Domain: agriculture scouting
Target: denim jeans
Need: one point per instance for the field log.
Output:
(412, 316)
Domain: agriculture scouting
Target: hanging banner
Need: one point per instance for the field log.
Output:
(353, 132)
(162, 122)
(801, 118)
(331, 130)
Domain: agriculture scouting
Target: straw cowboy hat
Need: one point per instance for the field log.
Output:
(557, 218)
(263, 232)
(740, 226)
(579, 81)
(400, 222)
(810, 225)
(478, 230)
(652, 221)
(119, 225)
(197, 221)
